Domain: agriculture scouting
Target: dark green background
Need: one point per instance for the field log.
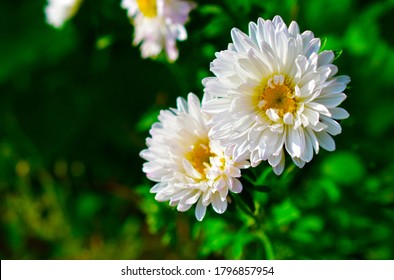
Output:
(76, 105)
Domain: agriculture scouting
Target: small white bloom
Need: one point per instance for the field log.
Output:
(158, 24)
(59, 11)
(274, 91)
(188, 167)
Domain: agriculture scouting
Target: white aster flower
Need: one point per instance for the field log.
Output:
(158, 24)
(188, 167)
(59, 11)
(274, 91)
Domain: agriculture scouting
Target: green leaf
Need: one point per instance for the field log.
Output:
(210, 9)
(285, 213)
(88, 205)
(262, 178)
(331, 189)
(343, 167)
(147, 120)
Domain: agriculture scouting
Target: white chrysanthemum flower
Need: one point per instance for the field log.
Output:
(274, 91)
(158, 24)
(59, 11)
(189, 167)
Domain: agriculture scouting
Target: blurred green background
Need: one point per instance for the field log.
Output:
(76, 105)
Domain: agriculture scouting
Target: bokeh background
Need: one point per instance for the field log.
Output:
(76, 105)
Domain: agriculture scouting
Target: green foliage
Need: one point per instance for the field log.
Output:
(76, 106)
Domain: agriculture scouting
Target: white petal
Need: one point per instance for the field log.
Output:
(158, 187)
(181, 104)
(325, 141)
(339, 113)
(271, 113)
(294, 29)
(237, 186)
(333, 127)
(326, 57)
(319, 108)
(217, 204)
(299, 162)
(200, 210)
(288, 118)
(331, 100)
(216, 105)
(194, 198)
(307, 154)
(312, 115)
(295, 142)
(183, 207)
(278, 169)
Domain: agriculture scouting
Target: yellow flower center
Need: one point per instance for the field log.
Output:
(199, 156)
(148, 7)
(277, 95)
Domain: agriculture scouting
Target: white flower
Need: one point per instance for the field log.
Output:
(188, 167)
(274, 91)
(59, 11)
(158, 24)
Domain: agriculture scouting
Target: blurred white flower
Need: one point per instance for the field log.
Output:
(158, 24)
(59, 11)
(274, 91)
(188, 167)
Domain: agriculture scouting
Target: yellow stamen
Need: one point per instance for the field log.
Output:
(276, 96)
(199, 156)
(148, 7)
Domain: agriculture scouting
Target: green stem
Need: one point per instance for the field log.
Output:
(266, 244)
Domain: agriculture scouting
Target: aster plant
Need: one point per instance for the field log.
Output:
(158, 24)
(275, 92)
(188, 166)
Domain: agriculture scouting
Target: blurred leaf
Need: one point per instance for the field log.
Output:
(343, 167)
(307, 228)
(332, 190)
(285, 213)
(216, 236)
(210, 9)
(262, 178)
(381, 118)
(88, 205)
(147, 119)
(104, 42)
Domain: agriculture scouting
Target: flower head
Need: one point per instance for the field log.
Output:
(158, 24)
(59, 11)
(274, 92)
(190, 168)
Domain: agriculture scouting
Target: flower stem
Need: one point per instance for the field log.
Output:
(266, 244)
